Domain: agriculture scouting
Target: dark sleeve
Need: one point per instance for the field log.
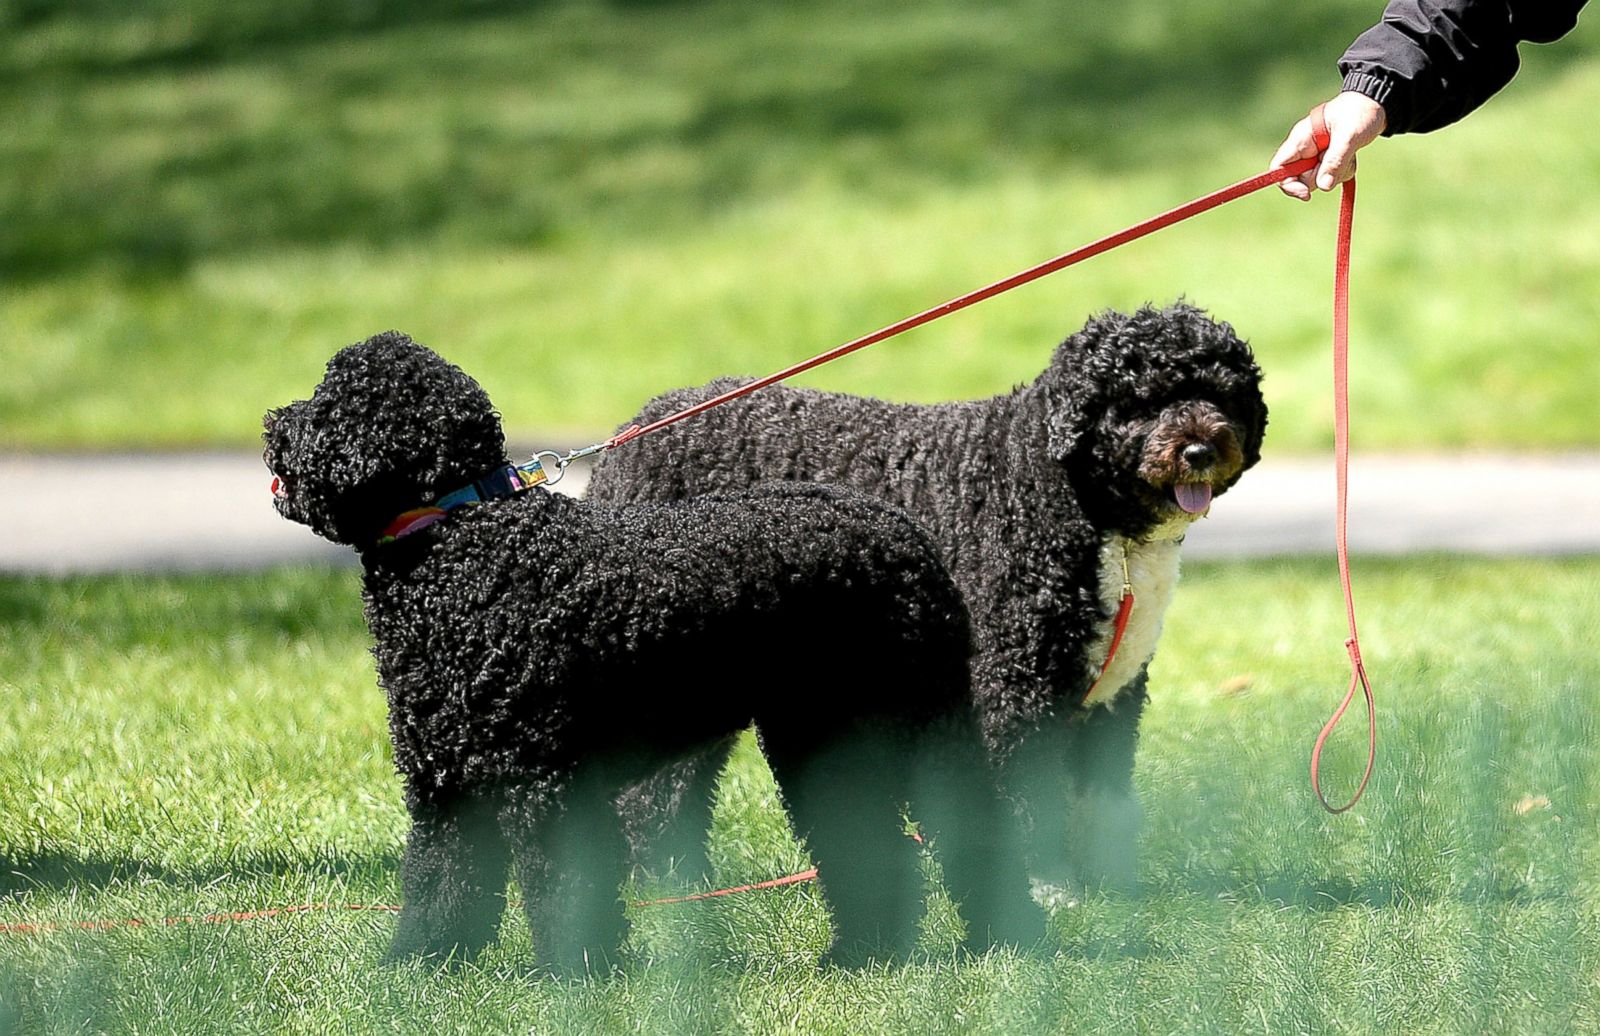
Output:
(1430, 62)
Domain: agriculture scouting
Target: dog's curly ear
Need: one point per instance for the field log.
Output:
(1254, 410)
(1066, 424)
(1073, 386)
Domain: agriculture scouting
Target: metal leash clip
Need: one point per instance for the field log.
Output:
(541, 473)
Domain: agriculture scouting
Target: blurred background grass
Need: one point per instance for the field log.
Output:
(587, 203)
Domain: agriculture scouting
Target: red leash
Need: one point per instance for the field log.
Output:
(1119, 628)
(1016, 280)
(1341, 454)
(790, 879)
(170, 922)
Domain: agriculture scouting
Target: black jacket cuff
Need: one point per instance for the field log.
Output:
(1379, 88)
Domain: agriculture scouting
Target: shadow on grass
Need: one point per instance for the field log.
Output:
(755, 112)
(198, 33)
(1095, 933)
(58, 872)
(1321, 893)
(184, 612)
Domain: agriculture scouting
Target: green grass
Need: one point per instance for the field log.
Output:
(187, 745)
(588, 203)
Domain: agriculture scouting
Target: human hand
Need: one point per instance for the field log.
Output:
(1354, 121)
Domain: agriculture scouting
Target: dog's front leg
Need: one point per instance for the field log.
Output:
(453, 879)
(1105, 843)
(667, 816)
(571, 860)
(959, 809)
(1072, 781)
(1036, 778)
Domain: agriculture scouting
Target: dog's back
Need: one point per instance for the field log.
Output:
(927, 459)
(653, 623)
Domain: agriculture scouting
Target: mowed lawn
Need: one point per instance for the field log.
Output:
(184, 746)
(588, 203)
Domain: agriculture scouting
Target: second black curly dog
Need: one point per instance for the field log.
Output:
(543, 655)
(1034, 498)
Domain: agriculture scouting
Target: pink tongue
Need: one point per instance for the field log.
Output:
(1193, 497)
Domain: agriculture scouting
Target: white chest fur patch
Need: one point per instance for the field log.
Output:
(1153, 570)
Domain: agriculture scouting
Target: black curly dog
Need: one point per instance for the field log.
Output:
(1032, 498)
(542, 656)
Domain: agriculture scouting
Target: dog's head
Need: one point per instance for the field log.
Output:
(1153, 415)
(391, 427)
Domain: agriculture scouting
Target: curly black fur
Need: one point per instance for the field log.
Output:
(542, 656)
(1021, 492)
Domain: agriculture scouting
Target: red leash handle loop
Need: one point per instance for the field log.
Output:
(1358, 676)
(1341, 453)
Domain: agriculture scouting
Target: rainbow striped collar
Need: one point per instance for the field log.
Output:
(497, 485)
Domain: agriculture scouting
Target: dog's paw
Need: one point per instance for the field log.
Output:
(445, 954)
(579, 966)
(860, 956)
(1057, 895)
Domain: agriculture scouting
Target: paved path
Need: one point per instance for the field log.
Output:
(99, 513)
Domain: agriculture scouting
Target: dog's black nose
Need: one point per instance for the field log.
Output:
(1199, 455)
